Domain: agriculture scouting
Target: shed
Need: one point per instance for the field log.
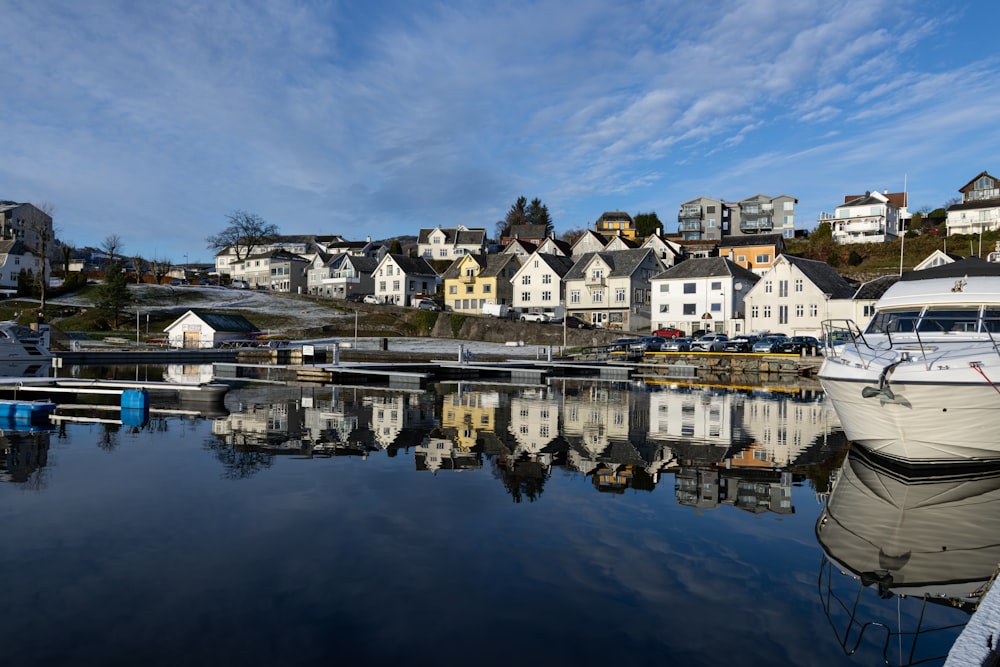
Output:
(197, 329)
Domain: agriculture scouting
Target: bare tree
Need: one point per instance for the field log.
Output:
(159, 267)
(137, 263)
(245, 232)
(66, 256)
(40, 223)
(111, 245)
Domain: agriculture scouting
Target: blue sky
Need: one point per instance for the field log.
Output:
(153, 120)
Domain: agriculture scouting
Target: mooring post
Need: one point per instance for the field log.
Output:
(548, 356)
(336, 354)
(461, 353)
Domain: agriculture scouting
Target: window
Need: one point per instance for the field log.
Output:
(716, 307)
(763, 259)
(800, 310)
(525, 296)
(436, 239)
(754, 311)
(598, 296)
(710, 209)
(690, 288)
(620, 295)
(487, 289)
(716, 284)
(741, 259)
(574, 296)
(711, 223)
(664, 288)
(469, 289)
(547, 279)
(767, 311)
(689, 309)
(525, 280)
(597, 274)
(453, 289)
(395, 285)
(782, 314)
(546, 296)
(782, 288)
(798, 284)
(814, 310)
(768, 287)
(789, 206)
(381, 286)
(664, 307)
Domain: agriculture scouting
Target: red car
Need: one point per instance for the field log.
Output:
(668, 333)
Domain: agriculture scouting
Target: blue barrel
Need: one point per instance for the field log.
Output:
(135, 398)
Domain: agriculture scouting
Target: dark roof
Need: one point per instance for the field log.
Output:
(455, 236)
(621, 262)
(753, 239)
(978, 203)
(528, 246)
(559, 264)
(970, 266)
(708, 267)
(413, 265)
(564, 248)
(823, 276)
(897, 199)
(874, 289)
(225, 321)
(616, 216)
(362, 264)
(527, 231)
(13, 247)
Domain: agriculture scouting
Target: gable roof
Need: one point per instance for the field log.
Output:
(620, 262)
(822, 275)
(590, 235)
(968, 186)
(527, 231)
(752, 239)
(455, 236)
(559, 264)
(874, 289)
(411, 266)
(562, 246)
(527, 246)
(14, 247)
(897, 199)
(219, 321)
(707, 267)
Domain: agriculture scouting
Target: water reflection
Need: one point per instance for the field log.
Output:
(928, 537)
(724, 447)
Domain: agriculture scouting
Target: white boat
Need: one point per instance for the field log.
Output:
(20, 343)
(921, 384)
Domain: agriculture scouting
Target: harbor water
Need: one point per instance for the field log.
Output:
(579, 523)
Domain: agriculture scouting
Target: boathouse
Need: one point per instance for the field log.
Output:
(198, 329)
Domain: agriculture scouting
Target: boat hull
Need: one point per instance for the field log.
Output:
(921, 423)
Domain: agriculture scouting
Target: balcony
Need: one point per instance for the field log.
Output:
(690, 226)
(594, 281)
(689, 214)
(468, 280)
(756, 224)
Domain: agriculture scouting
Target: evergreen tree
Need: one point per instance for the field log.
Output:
(538, 214)
(113, 295)
(647, 224)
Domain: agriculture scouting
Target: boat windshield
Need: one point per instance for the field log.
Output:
(894, 321)
(963, 320)
(991, 320)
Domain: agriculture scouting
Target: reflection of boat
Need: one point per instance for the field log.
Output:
(922, 383)
(933, 537)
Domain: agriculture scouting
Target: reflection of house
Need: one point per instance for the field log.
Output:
(979, 210)
(200, 329)
(781, 428)
(534, 420)
(701, 416)
(469, 413)
(22, 454)
(439, 451)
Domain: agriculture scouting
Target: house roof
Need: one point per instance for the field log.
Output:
(489, 265)
(527, 246)
(823, 276)
(897, 199)
(362, 264)
(708, 267)
(455, 236)
(219, 321)
(417, 266)
(558, 263)
(621, 262)
(527, 231)
(874, 289)
(968, 186)
(564, 248)
(615, 216)
(591, 235)
(13, 247)
(753, 239)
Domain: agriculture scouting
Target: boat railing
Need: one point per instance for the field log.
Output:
(837, 333)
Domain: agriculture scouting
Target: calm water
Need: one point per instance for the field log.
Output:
(573, 525)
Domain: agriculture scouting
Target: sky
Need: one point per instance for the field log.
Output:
(155, 120)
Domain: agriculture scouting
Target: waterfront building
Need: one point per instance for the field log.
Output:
(537, 285)
(708, 219)
(874, 217)
(979, 210)
(756, 253)
(701, 294)
(400, 278)
(342, 275)
(475, 280)
(14, 258)
(198, 329)
(611, 289)
(277, 270)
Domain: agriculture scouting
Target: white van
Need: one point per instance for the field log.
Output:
(241, 284)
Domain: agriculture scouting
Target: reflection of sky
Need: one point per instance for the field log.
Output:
(144, 554)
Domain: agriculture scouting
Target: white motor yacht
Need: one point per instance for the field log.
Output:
(921, 383)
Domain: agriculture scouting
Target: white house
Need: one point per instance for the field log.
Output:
(701, 294)
(198, 329)
(796, 295)
(450, 243)
(538, 283)
(277, 270)
(979, 210)
(14, 258)
(589, 241)
(340, 276)
(874, 217)
(399, 278)
(26, 223)
(611, 289)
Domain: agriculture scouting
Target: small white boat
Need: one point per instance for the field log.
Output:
(921, 384)
(20, 343)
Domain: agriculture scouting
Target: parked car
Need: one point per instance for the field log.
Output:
(669, 332)
(355, 298)
(622, 344)
(534, 317)
(240, 284)
(427, 304)
(648, 344)
(798, 344)
(741, 344)
(682, 344)
(371, 298)
(710, 343)
(573, 322)
(768, 344)
(178, 281)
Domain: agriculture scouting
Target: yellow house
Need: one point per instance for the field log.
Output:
(469, 413)
(616, 223)
(472, 281)
(756, 253)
